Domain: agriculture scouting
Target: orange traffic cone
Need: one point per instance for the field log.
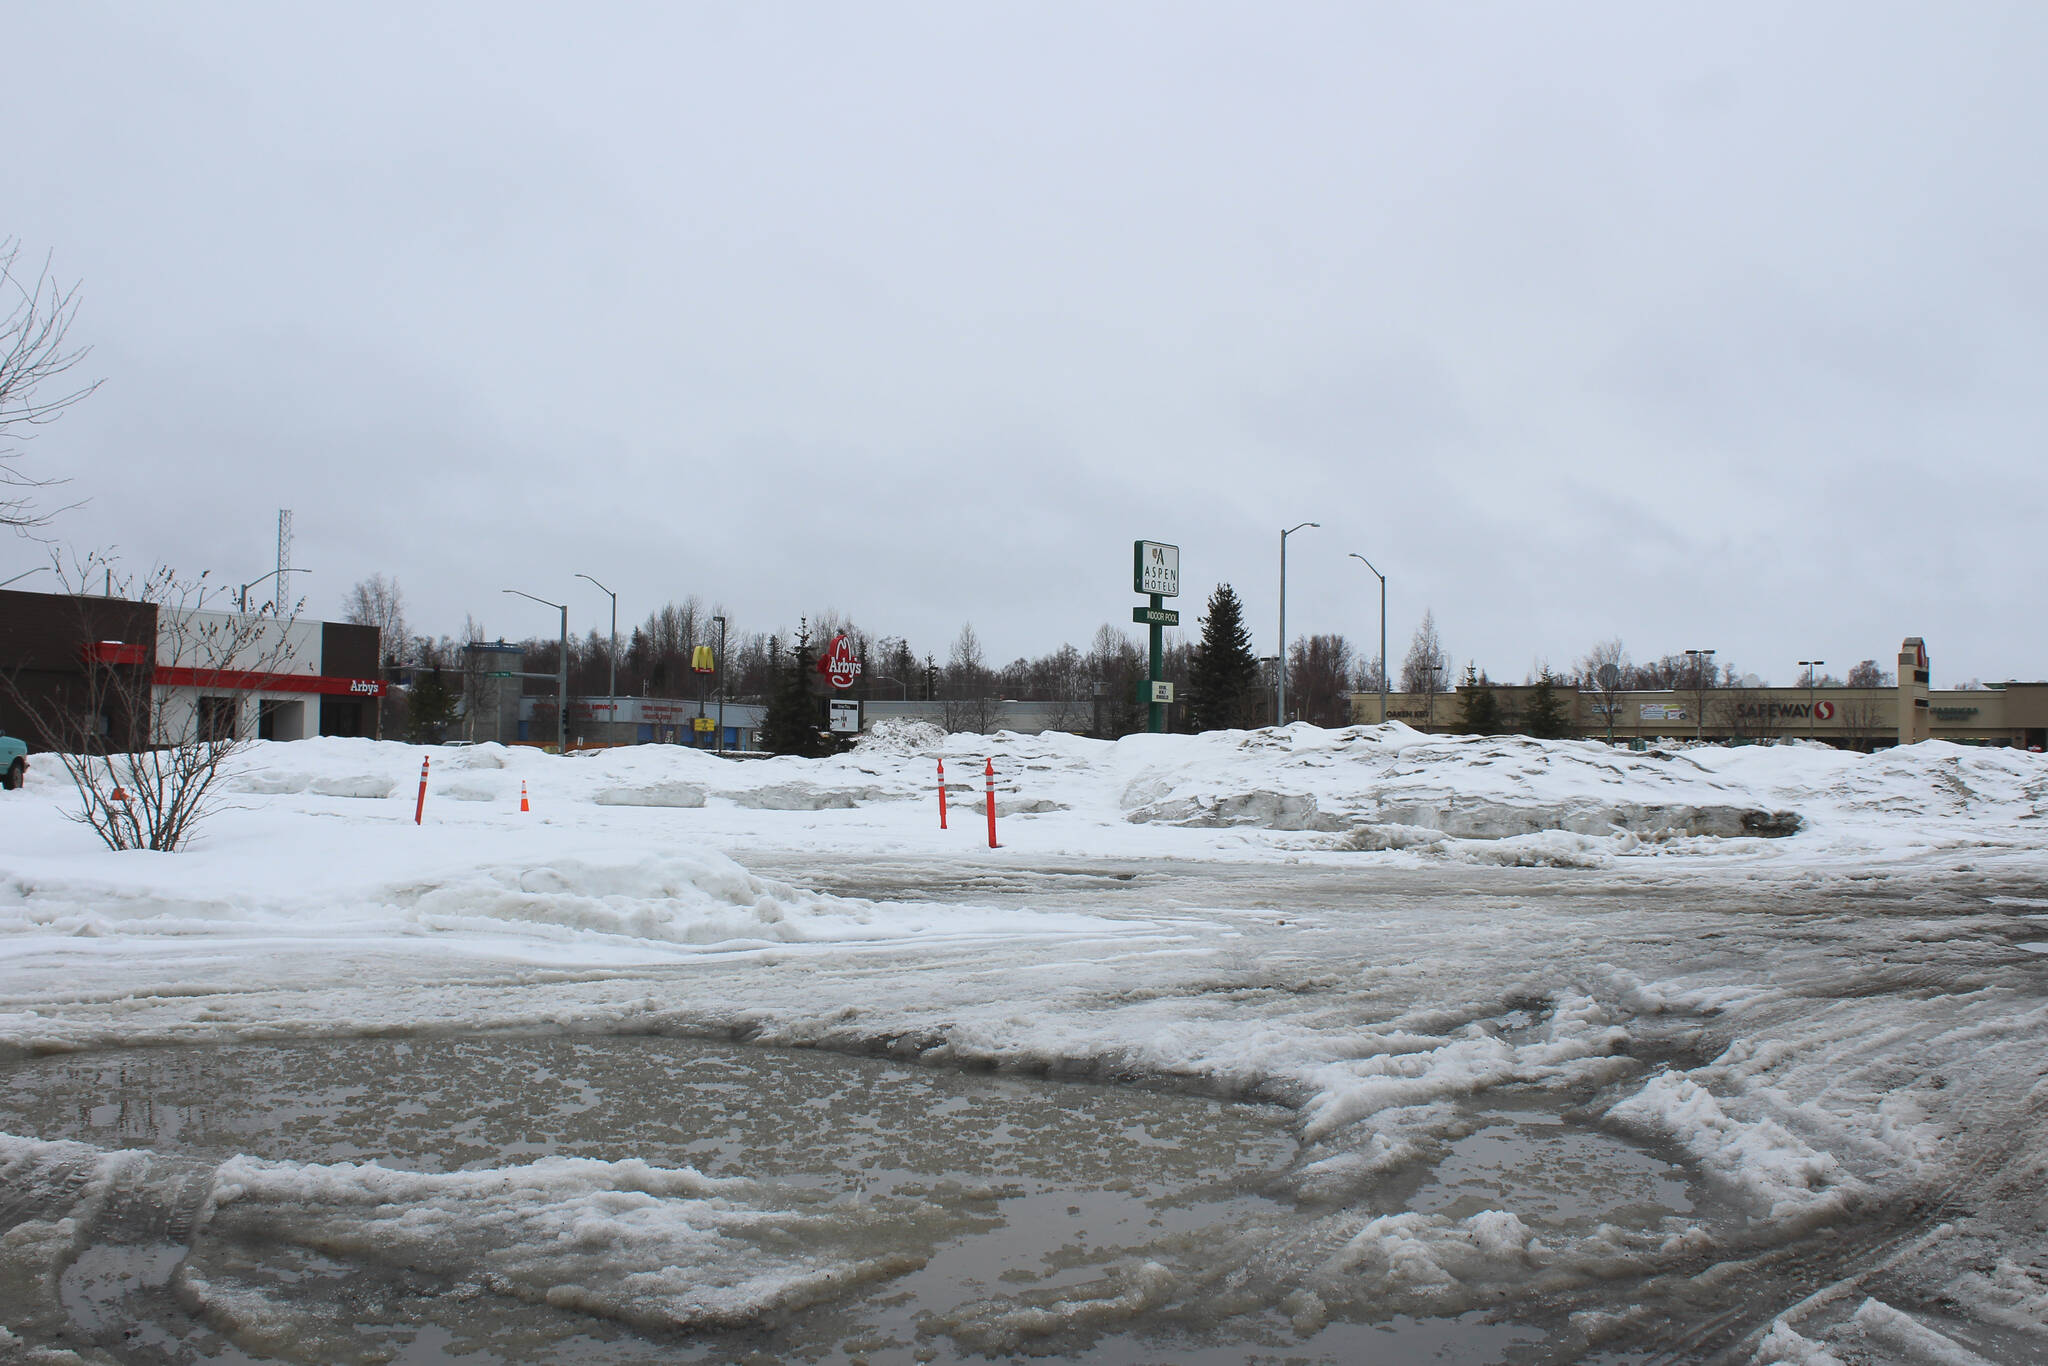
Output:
(522, 796)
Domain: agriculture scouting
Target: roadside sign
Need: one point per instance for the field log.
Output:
(1162, 692)
(840, 664)
(845, 717)
(703, 723)
(1155, 568)
(702, 660)
(1155, 616)
(499, 674)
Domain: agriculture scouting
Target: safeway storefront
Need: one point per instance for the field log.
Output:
(2014, 714)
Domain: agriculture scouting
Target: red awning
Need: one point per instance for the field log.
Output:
(113, 652)
(245, 680)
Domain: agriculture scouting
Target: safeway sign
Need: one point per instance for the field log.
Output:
(839, 665)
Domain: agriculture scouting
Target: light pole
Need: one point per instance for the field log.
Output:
(1383, 631)
(1702, 679)
(611, 691)
(561, 671)
(242, 597)
(26, 572)
(1280, 708)
(721, 683)
(1810, 665)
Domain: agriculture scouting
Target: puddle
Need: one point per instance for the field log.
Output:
(1562, 1176)
(848, 1209)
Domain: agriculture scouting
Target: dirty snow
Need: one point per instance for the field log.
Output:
(1814, 977)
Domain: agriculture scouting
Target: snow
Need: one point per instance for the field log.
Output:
(1814, 977)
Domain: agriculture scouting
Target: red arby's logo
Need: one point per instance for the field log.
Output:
(839, 664)
(1824, 711)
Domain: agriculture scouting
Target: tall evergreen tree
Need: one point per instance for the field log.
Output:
(430, 708)
(791, 723)
(1481, 706)
(1224, 691)
(1546, 717)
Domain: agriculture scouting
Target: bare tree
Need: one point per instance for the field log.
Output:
(1605, 670)
(35, 321)
(966, 672)
(1750, 714)
(147, 758)
(1320, 667)
(1868, 675)
(1865, 721)
(1115, 668)
(1369, 675)
(1427, 669)
(379, 602)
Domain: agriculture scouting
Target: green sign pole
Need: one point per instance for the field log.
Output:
(1156, 715)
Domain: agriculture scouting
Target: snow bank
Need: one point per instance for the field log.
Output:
(646, 1246)
(651, 1247)
(1757, 1156)
(1243, 794)
(674, 899)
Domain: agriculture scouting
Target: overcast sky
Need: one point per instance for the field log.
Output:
(1720, 326)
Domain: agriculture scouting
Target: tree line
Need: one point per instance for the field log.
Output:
(1220, 682)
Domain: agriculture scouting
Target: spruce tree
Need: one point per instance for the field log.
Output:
(1481, 707)
(791, 723)
(1224, 692)
(1546, 717)
(430, 707)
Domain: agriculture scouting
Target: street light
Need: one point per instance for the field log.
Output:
(721, 684)
(611, 691)
(1702, 679)
(23, 574)
(1383, 632)
(1280, 709)
(561, 671)
(242, 597)
(1809, 665)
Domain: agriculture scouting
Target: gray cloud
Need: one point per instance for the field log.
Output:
(1708, 328)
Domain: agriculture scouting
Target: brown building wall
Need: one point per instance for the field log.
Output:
(348, 651)
(43, 637)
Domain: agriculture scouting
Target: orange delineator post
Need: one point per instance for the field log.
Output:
(942, 794)
(420, 809)
(991, 771)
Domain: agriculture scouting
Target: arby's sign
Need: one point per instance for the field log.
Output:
(839, 664)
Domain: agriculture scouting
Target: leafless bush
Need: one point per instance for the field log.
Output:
(147, 759)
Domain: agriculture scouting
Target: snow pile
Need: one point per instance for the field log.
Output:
(1236, 794)
(677, 899)
(1464, 787)
(641, 1245)
(647, 1246)
(652, 794)
(1758, 1156)
(895, 735)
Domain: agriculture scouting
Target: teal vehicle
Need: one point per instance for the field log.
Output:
(13, 762)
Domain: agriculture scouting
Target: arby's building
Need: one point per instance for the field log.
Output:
(208, 674)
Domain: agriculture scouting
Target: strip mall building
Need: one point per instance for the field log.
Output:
(209, 674)
(2013, 714)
